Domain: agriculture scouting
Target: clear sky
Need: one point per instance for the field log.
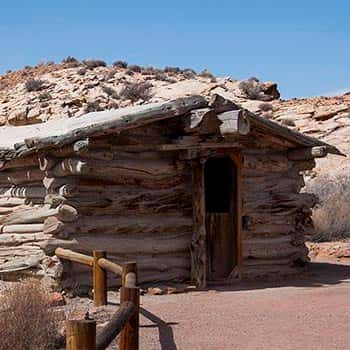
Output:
(303, 45)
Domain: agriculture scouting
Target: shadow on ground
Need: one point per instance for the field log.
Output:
(317, 274)
(166, 335)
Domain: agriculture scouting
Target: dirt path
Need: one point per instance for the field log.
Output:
(313, 313)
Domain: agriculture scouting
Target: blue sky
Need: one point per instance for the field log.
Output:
(303, 45)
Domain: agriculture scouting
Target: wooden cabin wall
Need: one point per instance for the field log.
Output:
(134, 205)
(22, 214)
(278, 215)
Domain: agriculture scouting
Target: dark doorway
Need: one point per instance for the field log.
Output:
(220, 175)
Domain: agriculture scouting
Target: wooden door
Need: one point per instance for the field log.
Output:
(220, 178)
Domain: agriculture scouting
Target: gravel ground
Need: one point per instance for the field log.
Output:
(311, 314)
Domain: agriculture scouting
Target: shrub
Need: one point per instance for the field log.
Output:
(34, 85)
(45, 96)
(331, 215)
(168, 69)
(288, 122)
(161, 76)
(136, 91)
(70, 59)
(253, 89)
(92, 107)
(82, 71)
(135, 68)
(71, 62)
(265, 107)
(189, 73)
(120, 64)
(91, 64)
(206, 74)
(27, 321)
(109, 91)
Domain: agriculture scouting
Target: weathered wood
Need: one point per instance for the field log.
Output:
(29, 215)
(129, 274)
(132, 225)
(81, 334)
(46, 163)
(308, 153)
(221, 104)
(22, 228)
(198, 245)
(264, 248)
(110, 266)
(129, 337)
(60, 132)
(100, 279)
(12, 201)
(15, 239)
(73, 256)
(125, 244)
(28, 191)
(234, 122)
(21, 176)
(83, 150)
(115, 325)
(19, 163)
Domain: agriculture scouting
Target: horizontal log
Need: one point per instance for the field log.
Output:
(22, 228)
(25, 162)
(15, 239)
(267, 248)
(138, 168)
(12, 201)
(110, 266)
(72, 129)
(29, 215)
(147, 263)
(64, 213)
(308, 153)
(123, 245)
(83, 150)
(28, 191)
(74, 256)
(21, 176)
(174, 275)
(120, 225)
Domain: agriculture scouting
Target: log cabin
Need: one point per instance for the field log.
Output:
(192, 189)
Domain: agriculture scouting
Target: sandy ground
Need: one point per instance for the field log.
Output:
(312, 313)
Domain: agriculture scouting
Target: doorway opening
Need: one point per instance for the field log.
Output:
(220, 176)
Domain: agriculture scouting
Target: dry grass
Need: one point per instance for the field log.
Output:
(331, 215)
(253, 89)
(26, 320)
(136, 91)
(34, 85)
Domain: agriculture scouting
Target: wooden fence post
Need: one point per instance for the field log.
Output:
(129, 274)
(129, 336)
(99, 280)
(80, 334)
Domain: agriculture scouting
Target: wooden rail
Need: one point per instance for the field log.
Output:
(81, 334)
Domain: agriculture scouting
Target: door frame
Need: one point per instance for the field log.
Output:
(199, 237)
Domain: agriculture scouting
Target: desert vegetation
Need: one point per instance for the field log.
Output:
(27, 321)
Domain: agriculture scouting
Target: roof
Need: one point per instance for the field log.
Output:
(20, 141)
